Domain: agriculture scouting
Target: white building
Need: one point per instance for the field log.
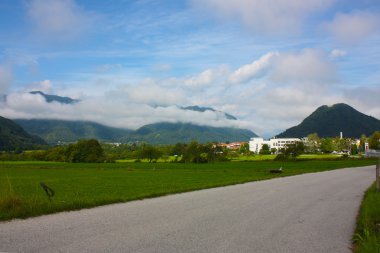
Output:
(256, 143)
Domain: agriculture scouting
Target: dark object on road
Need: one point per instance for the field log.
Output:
(276, 170)
(49, 191)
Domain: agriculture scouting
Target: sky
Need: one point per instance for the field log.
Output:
(269, 63)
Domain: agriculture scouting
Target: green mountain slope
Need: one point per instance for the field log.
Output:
(170, 133)
(14, 137)
(53, 131)
(329, 121)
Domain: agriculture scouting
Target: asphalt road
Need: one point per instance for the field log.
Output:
(306, 213)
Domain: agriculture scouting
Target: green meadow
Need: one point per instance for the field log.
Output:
(80, 185)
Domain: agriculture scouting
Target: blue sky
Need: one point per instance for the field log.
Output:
(269, 63)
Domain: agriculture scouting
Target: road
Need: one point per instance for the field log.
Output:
(306, 213)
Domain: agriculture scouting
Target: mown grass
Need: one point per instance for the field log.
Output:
(86, 185)
(367, 235)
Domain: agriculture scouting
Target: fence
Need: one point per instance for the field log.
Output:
(372, 153)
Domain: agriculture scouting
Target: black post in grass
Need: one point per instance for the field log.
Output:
(49, 191)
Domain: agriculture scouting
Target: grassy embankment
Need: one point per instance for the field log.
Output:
(86, 185)
(367, 234)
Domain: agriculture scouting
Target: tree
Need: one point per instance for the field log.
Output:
(374, 140)
(149, 152)
(199, 153)
(88, 151)
(327, 145)
(342, 144)
(244, 149)
(363, 140)
(192, 153)
(265, 150)
(313, 143)
(178, 149)
(354, 149)
(57, 154)
(295, 149)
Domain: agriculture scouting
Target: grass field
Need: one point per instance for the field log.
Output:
(86, 185)
(367, 236)
(245, 158)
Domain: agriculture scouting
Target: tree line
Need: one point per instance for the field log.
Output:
(94, 152)
(82, 151)
(193, 152)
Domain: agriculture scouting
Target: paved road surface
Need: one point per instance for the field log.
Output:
(307, 213)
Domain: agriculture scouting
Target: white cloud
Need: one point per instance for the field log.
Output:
(152, 93)
(291, 86)
(5, 77)
(162, 67)
(58, 19)
(253, 70)
(306, 66)
(353, 27)
(21, 58)
(366, 99)
(268, 17)
(337, 53)
(106, 110)
(44, 86)
(207, 78)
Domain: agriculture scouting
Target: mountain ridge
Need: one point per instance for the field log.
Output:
(329, 121)
(55, 98)
(171, 133)
(14, 137)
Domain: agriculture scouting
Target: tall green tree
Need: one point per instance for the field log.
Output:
(354, 149)
(88, 151)
(327, 145)
(363, 140)
(313, 143)
(265, 150)
(295, 149)
(150, 152)
(244, 149)
(192, 153)
(374, 140)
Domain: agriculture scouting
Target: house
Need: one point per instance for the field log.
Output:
(232, 145)
(256, 143)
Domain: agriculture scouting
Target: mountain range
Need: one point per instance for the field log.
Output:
(326, 121)
(171, 133)
(54, 131)
(329, 121)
